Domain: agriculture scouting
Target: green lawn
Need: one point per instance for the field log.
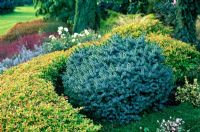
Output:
(188, 113)
(21, 14)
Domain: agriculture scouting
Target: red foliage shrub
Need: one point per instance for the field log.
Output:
(26, 33)
(21, 29)
(24, 28)
(29, 41)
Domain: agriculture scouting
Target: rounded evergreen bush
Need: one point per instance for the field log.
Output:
(117, 81)
(6, 6)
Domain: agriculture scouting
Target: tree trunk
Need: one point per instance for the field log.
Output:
(86, 15)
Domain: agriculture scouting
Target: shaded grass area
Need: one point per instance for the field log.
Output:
(188, 113)
(21, 14)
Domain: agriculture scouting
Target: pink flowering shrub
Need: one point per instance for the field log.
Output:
(13, 48)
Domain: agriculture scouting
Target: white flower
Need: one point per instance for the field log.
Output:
(62, 36)
(75, 35)
(60, 28)
(52, 37)
(99, 36)
(81, 35)
(174, 2)
(86, 32)
(73, 40)
(66, 29)
(178, 120)
(59, 32)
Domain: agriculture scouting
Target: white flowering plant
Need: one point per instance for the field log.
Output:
(189, 93)
(65, 40)
(171, 125)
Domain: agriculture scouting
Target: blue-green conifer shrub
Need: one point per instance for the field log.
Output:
(117, 81)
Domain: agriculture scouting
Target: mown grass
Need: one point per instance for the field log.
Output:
(21, 14)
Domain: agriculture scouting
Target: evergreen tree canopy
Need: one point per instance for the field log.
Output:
(56, 9)
(186, 16)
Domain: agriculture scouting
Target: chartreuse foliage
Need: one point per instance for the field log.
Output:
(119, 80)
(29, 103)
(142, 25)
(183, 58)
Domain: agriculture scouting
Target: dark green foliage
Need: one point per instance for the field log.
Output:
(63, 10)
(125, 6)
(23, 2)
(186, 15)
(106, 5)
(198, 6)
(6, 6)
(138, 6)
(115, 5)
(119, 80)
(86, 16)
(165, 11)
